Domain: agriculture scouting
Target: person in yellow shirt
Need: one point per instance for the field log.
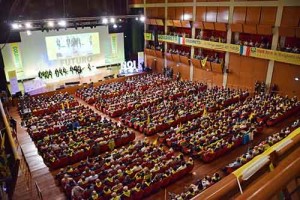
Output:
(94, 195)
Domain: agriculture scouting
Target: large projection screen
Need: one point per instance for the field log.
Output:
(64, 48)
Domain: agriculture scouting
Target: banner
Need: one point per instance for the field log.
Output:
(149, 36)
(141, 63)
(168, 38)
(203, 62)
(14, 87)
(16, 55)
(114, 45)
(279, 56)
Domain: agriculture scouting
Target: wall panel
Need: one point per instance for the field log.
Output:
(290, 16)
(253, 15)
(268, 15)
(200, 14)
(284, 76)
(171, 13)
(179, 13)
(239, 15)
(211, 14)
(211, 78)
(223, 14)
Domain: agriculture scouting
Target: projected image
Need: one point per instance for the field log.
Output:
(68, 46)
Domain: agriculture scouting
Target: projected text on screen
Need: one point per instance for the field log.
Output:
(73, 45)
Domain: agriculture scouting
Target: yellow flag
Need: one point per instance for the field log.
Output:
(148, 119)
(62, 106)
(3, 141)
(67, 103)
(251, 116)
(155, 141)
(203, 62)
(271, 166)
(204, 112)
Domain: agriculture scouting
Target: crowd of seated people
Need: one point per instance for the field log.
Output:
(131, 172)
(61, 120)
(40, 105)
(260, 148)
(92, 94)
(183, 34)
(263, 44)
(213, 58)
(214, 134)
(260, 87)
(72, 145)
(118, 105)
(194, 189)
(211, 38)
(289, 48)
(273, 108)
(159, 117)
(158, 47)
(179, 52)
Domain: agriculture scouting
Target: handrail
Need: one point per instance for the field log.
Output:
(229, 183)
(267, 186)
(9, 133)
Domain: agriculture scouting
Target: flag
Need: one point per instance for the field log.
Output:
(155, 141)
(2, 141)
(245, 50)
(251, 116)
(204, 113)
(67, 103)
(62, 106)
(203, 62)
(271, 166)
(181, 40)
(148, 119)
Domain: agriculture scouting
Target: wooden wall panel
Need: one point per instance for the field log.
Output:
(154, 13)
(239, 15)
(161, 13)
(253, 15)
(209, 77)
(184, 71)
(211, 14)
(188, 11)
(245, 71)
(284, 76)
(223, 14)
(290, 16)
(179, 13)
(268, 15)
(200, 14)
(171, 13)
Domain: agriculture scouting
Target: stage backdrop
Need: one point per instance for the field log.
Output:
(64, 48)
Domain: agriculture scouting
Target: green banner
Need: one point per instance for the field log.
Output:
(148, 36)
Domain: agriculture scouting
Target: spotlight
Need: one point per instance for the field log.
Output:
(186, 17)
(297, 79)
(50, 24)
(20, 25)
(62, 23)
(112, 20)
(142, 18)
(28, 25)
(115, 26)
(104, 20)
(28, 32)
(120, 20)
(136, 18)
(15, 26)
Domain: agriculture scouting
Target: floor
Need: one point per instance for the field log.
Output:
(25, 188)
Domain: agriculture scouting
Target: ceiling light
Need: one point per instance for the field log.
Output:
(28, 25)
(297, 79)
(115, 26)
(50, 24)
(142, 18)
(136, 18)
(28, 32)
(104, 20)
(62, 23)
(15, 26)
(112, 20)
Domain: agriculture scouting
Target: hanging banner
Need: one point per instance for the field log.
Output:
(114, 44)
(141, 61)
(149, 36)
(291, 58)
(168, 38)
(14, 87)
(16, 55)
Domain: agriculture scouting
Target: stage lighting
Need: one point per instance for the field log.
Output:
(115, 26)
(186, 17)
(136, 18)
(62, 23)
(50, 24)
(15, 26)
(104, 20)
(297, 79)
(142, 18)
(28, 25)
(28, 32)
(112, 20)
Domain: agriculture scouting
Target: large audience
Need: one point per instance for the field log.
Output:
(131, 172)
